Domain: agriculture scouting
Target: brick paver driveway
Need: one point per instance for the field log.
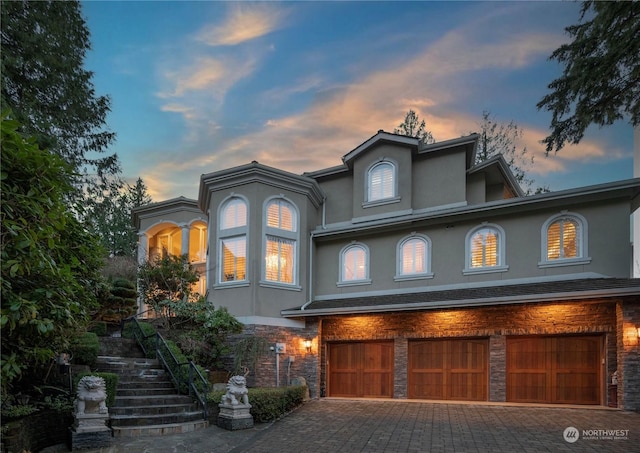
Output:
(336, 425)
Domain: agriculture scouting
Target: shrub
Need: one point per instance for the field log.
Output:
(85, 349)
(99, 328)
(268, 403)
(110, 380)
(149, 334)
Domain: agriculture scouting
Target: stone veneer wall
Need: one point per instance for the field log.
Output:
(305, 364)
(494, 323)
(628, 350)
(36, 432)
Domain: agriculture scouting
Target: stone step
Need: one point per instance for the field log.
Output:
(127, 362)
(119, 346)
(159, 430)
(147, 402)
(144, 383)
(147, 410)
(124, 401)
(160, 391)
(158, 419)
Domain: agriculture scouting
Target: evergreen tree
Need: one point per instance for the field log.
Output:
(600, 83)
(412, 126)
(109, 215)
(44, 45)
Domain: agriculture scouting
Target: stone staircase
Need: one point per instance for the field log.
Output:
(147, 403)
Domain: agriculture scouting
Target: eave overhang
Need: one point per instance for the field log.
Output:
(559, 291)
(627, 189)
(255, 172)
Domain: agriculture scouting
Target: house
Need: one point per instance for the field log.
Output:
(409, 271)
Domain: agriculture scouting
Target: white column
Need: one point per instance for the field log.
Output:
(143, 255)
(143, 248)
(185, 239)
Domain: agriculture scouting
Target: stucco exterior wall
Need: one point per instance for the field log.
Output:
(255, 296)
(439, 179)
(608, 247)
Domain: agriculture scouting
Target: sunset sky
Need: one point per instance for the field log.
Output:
(203, 86)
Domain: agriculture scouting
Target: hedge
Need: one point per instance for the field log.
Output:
(85, 349)
(110, 380)
(268, 403)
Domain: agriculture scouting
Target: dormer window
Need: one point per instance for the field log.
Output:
(381, 182)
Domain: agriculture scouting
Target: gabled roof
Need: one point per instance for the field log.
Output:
(165, 206)
(380, 137)
(500, 164)
(468, 143)
(577, 289)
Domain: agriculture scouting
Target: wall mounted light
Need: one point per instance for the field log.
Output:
(638, 333)
(307, 344)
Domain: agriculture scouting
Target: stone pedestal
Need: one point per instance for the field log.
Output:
(90, 431)
(234, 417)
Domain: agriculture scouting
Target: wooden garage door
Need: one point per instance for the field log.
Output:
(448, 369)
(363, 369)
(554, 369)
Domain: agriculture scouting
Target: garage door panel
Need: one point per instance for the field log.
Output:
(377, 384)
(573, 387)
(448, 369)
(554, 369)
(427, 385)
(468, 386)
(526, 387)
(360, 369)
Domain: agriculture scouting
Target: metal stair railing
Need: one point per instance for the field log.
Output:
(185, 375)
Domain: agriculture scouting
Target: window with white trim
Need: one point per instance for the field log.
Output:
(354, 264)
(280, 243)
(485, 249)
(414, 257)
(381, 181)
(564, 240)
(233, 240)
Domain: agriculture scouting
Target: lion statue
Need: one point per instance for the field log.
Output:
(236, 390)
(92, 396)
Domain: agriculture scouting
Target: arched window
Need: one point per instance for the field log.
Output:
(280, 242)
(234, 214)
(414, 257)
(564, 240)
(381, 181)
(354, 264)
(233, 240)
(485, 249)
